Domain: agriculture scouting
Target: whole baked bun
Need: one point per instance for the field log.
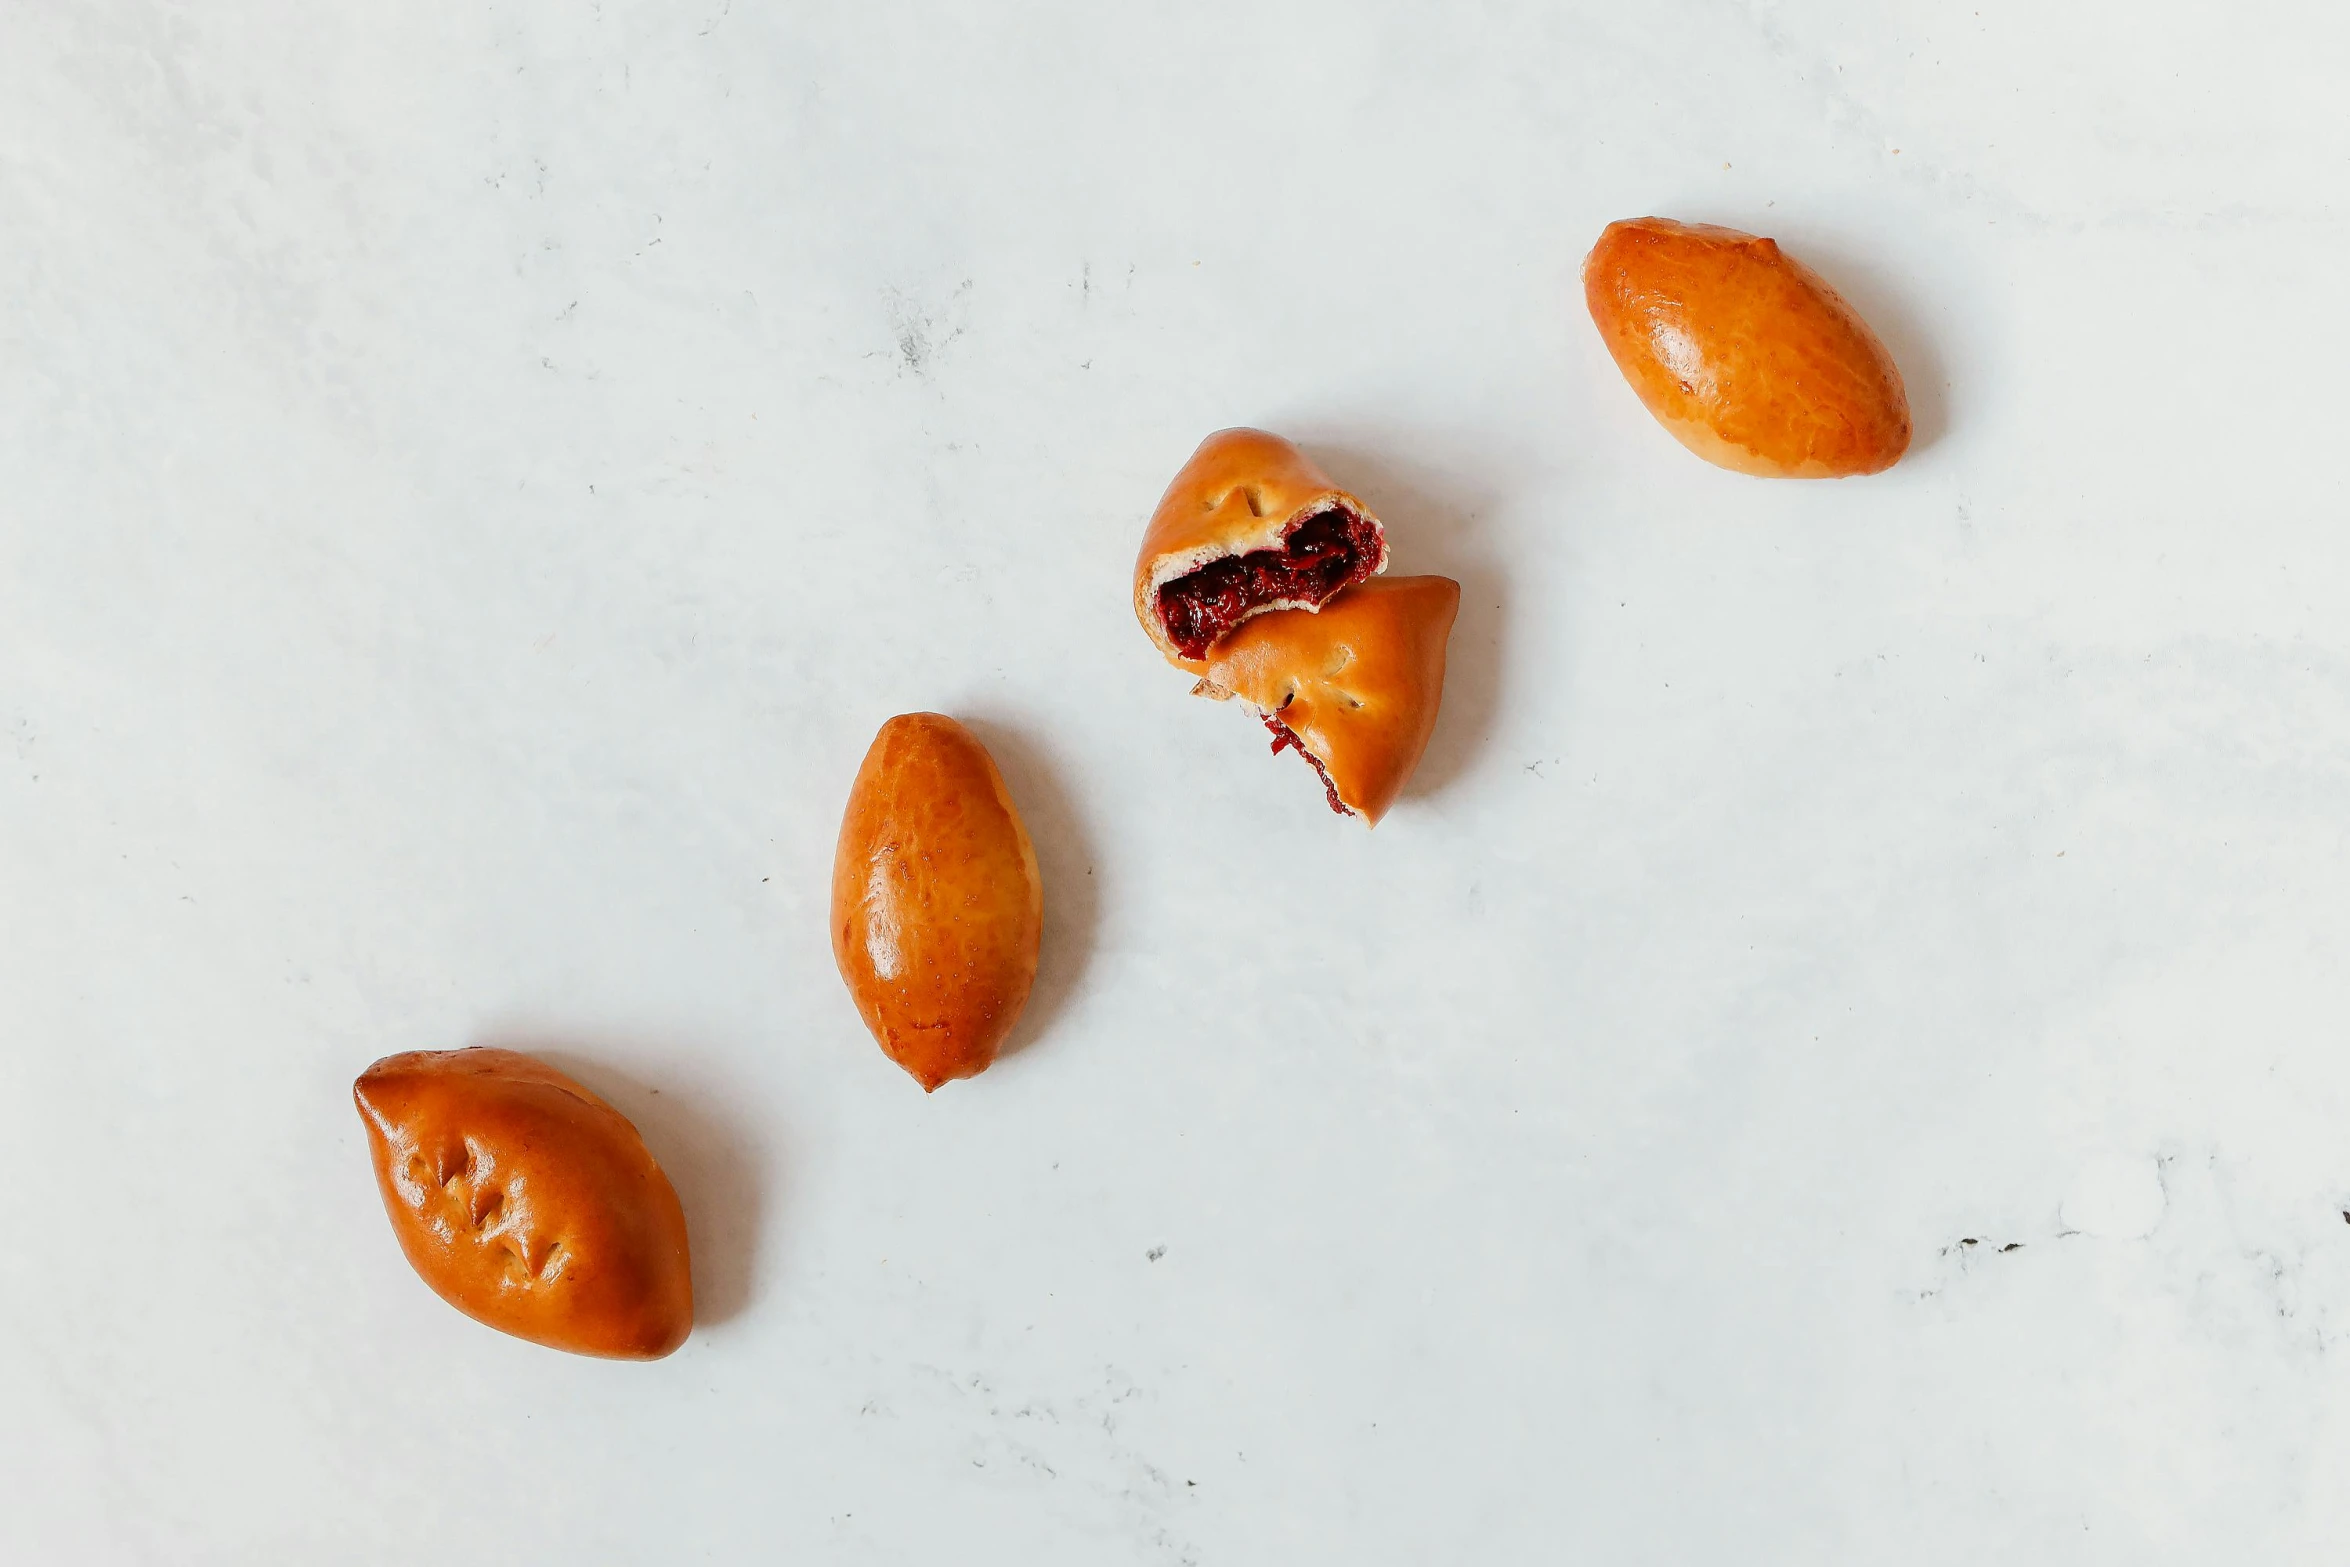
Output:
(1745, 354)
(937, 908)
(527, 1202)
(1354, 689)
(1249, 525)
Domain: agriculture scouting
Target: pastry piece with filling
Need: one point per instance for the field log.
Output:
(1250, 525)
(1353, 689)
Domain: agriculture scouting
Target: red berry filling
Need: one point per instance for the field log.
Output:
(1328, 551)
(1284, 739)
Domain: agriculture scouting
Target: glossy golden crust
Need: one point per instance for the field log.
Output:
(1746, 355)
(937, 908)
(1359, 684)
(1242, 491)
(528, 1203)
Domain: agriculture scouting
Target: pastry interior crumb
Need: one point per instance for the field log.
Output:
(1328, 551)
(1285, 738)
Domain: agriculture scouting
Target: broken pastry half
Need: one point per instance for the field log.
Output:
(1353, 689)
(1249, 526)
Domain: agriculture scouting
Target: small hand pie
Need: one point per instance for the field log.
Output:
(1249, 525)
(1355, 688)
(937, 908)
(528, 1203)
(1744, 353)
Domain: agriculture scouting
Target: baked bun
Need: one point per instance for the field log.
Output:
(528, 1203)
(1355, 688)
(1249, 525)
(1745, 354)
(937, 908)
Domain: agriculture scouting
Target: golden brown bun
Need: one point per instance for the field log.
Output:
(1241, 492)
(528, 1203)
(1358, 684)
(1746, 355)
(937, 908)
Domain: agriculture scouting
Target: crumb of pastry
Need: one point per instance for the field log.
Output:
(1328, 551)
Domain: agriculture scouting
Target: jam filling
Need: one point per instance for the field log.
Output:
(1285, 739)
(1328, 551)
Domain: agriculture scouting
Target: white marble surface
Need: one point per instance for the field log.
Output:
(1841, 1058)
